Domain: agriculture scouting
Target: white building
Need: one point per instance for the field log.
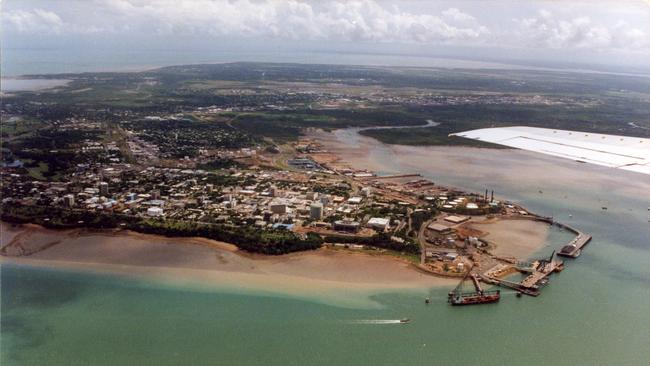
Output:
(378, 223)
(154, 211)
(355, 200)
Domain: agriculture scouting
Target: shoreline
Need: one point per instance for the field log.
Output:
(196, 260)
(328, 275)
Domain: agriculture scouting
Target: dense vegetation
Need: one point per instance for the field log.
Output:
(613, 116)
(279, 100)
(381, 240)
(218, 164)
(272, 242)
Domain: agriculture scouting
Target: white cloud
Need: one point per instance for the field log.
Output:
(547, 30)
(33, 21)
(455, 14)
(560, 26)
(356, 20)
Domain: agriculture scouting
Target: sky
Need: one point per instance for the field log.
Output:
(600, 32)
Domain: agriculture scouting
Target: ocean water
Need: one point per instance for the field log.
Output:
(12, 85)
(66, 318)
(20, 60)
(29, 61)
(593, 313)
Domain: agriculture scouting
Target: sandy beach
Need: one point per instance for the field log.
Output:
(326, 274)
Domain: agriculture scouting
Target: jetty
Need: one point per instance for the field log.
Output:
(537, 271)
(574, 248)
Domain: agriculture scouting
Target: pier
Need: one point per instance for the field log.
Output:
(538, 271)
(574, 247)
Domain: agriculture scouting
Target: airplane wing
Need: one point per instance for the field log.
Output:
(622, 152)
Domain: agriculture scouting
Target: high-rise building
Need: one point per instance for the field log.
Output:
(103, 189)
(316, 211)
(68, 200)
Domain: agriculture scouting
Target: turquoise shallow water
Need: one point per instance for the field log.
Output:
(67, 318)
(593, 313)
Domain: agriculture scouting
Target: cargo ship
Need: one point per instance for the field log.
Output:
(457, 297)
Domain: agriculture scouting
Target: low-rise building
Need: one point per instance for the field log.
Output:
(456, 219)
(154, 211)
(378, 223)
(346, 225)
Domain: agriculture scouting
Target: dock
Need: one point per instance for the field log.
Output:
(537, 271)
(542, 271)
(574, 248)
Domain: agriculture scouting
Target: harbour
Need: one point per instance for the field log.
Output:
(194, 319)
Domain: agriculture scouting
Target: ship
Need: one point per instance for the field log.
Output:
(480, 296)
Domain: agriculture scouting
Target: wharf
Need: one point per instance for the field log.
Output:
(574, 247)
(543, 271)
(532, 283)
(512, 285)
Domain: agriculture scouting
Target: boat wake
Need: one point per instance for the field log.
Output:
(377, 321)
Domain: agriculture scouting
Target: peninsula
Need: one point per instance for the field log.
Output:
(206, 154)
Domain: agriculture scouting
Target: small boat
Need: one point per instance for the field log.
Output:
(405, 320)
(427, 300)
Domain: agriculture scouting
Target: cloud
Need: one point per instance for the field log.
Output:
(33, 21)
(455, 14)
(355, 20)
(370, 21)
(547, 30)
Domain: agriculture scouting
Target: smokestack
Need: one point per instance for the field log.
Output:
(492, 198)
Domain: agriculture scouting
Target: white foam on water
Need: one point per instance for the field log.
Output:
(376, 321)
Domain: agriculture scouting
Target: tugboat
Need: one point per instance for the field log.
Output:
(457, 297)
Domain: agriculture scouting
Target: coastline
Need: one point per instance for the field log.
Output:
(331, 276)
(196, 261)
(30, 84)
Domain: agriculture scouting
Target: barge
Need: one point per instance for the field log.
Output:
(457, 297)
